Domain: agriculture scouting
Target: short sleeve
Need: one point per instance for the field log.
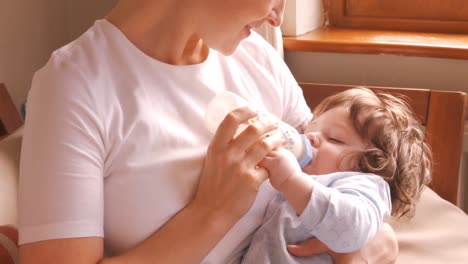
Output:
(61, 170)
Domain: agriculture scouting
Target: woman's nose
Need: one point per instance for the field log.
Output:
(275, 18)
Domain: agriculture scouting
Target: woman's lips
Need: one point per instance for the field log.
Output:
(247, 30)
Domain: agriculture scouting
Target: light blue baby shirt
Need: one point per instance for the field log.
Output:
(345, 211)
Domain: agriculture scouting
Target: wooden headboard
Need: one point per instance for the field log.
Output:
(443, 115)
(10, 119)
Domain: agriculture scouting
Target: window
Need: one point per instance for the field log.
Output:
(443, 16)
(422, 28)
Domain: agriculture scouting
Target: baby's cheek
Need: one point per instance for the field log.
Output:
(349, 162)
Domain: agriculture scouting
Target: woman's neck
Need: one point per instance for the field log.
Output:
(160, 29)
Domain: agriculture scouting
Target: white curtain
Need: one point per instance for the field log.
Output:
(273, 36)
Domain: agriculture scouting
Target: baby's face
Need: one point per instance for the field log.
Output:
(332, 136)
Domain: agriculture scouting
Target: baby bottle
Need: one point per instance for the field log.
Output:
(225, 102)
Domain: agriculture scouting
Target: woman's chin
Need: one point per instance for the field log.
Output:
(227, 52)
(229, 47)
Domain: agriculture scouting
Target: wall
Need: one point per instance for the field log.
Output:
(379, 70)
(301, 16)
(83, 13)
(31, 29)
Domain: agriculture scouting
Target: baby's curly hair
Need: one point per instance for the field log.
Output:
(395, 138)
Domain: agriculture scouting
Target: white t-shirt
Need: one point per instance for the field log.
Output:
(114, 140)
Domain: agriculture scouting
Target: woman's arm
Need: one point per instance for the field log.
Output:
(200, 230)
(383, 248)
(227, 188)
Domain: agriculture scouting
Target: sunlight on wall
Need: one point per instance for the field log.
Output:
(301, 16)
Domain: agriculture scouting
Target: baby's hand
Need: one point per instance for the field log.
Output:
(280, 164)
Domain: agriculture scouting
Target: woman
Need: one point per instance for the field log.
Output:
(122, 153)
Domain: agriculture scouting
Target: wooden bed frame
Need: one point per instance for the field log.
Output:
(10, 118)
(443, 115)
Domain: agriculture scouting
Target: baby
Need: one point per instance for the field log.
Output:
(368, 154)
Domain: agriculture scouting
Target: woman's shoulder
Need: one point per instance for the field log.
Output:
(87, 49)
(87, 59)
(74, 71)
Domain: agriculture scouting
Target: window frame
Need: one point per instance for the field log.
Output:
(337, 16)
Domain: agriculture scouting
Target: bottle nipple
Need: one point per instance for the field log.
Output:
(307, 153)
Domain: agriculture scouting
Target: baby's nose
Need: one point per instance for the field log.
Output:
(314, 138)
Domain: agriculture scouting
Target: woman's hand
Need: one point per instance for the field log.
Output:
(231, 177)
(383, 248)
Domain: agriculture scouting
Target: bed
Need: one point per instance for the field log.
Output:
(438, 233)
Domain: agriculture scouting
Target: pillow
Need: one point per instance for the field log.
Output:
(438, 233)
(8, 245)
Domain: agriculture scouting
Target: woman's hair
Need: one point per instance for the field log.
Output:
(396, 148)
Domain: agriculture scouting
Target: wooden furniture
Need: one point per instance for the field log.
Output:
(444, 16)
(10, 118)
(443, 115)
(422, 28)
(364, 41)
